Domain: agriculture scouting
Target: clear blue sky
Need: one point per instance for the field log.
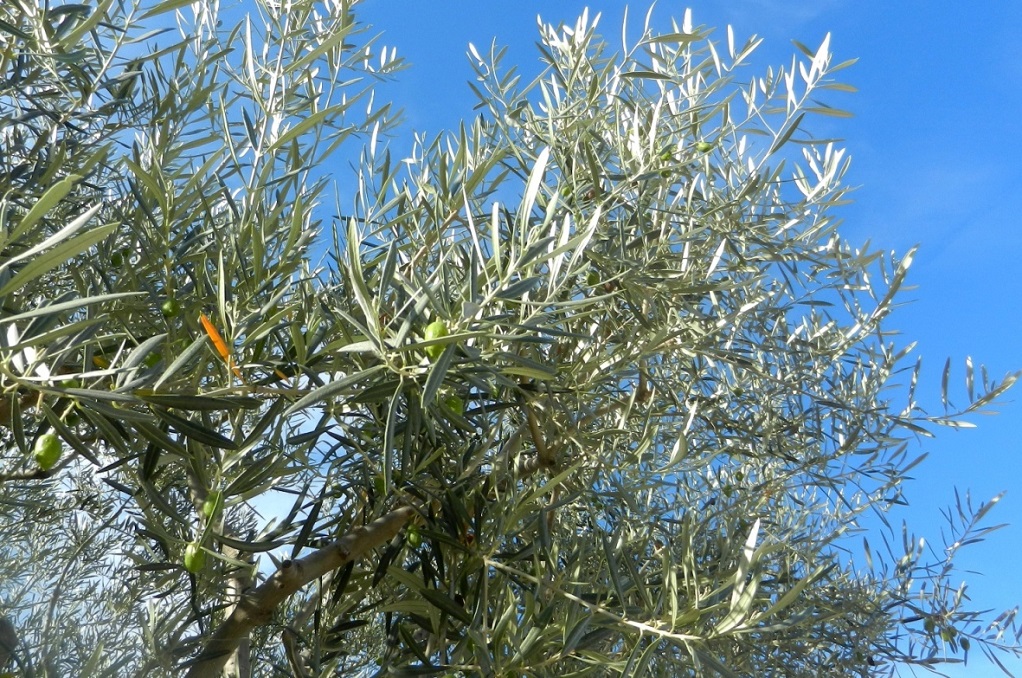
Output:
(935, 153)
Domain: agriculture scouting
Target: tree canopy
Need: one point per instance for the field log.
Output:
(591, 385)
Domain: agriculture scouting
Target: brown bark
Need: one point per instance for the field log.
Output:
(256, 607)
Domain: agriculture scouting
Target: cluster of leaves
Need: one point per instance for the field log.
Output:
(594, 382)
(151, 183)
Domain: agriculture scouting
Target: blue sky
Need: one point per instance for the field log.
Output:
(934, 147)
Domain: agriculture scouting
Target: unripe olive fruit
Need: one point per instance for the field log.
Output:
(704, 146)
(212, 504)
(435, 330)
(379, 485)
(47, 451)
(413, 537)
(195, 557)
(592, 278)
(455, 404)
(170, 308)
(71, 416)
(119, 257)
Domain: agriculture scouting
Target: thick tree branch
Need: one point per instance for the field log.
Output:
(256, 607)
(239, 664)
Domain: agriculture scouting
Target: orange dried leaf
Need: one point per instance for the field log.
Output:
(219, 344)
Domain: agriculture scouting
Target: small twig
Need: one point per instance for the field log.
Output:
(37, 474)
(290, 641)
(542, 451)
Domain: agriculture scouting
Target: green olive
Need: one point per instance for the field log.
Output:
(455, 404)
(170, 308)
(704, 146)
(213, 503)
(413, 537)
(435, 330)
(195, 557)
(592, 278)
(48, 449)
(71, 416)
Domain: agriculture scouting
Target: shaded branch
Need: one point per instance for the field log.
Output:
(543, 453)
(37, 474)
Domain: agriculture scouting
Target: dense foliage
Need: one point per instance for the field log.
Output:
(591, 385)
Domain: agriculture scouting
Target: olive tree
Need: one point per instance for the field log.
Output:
(590, 385)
